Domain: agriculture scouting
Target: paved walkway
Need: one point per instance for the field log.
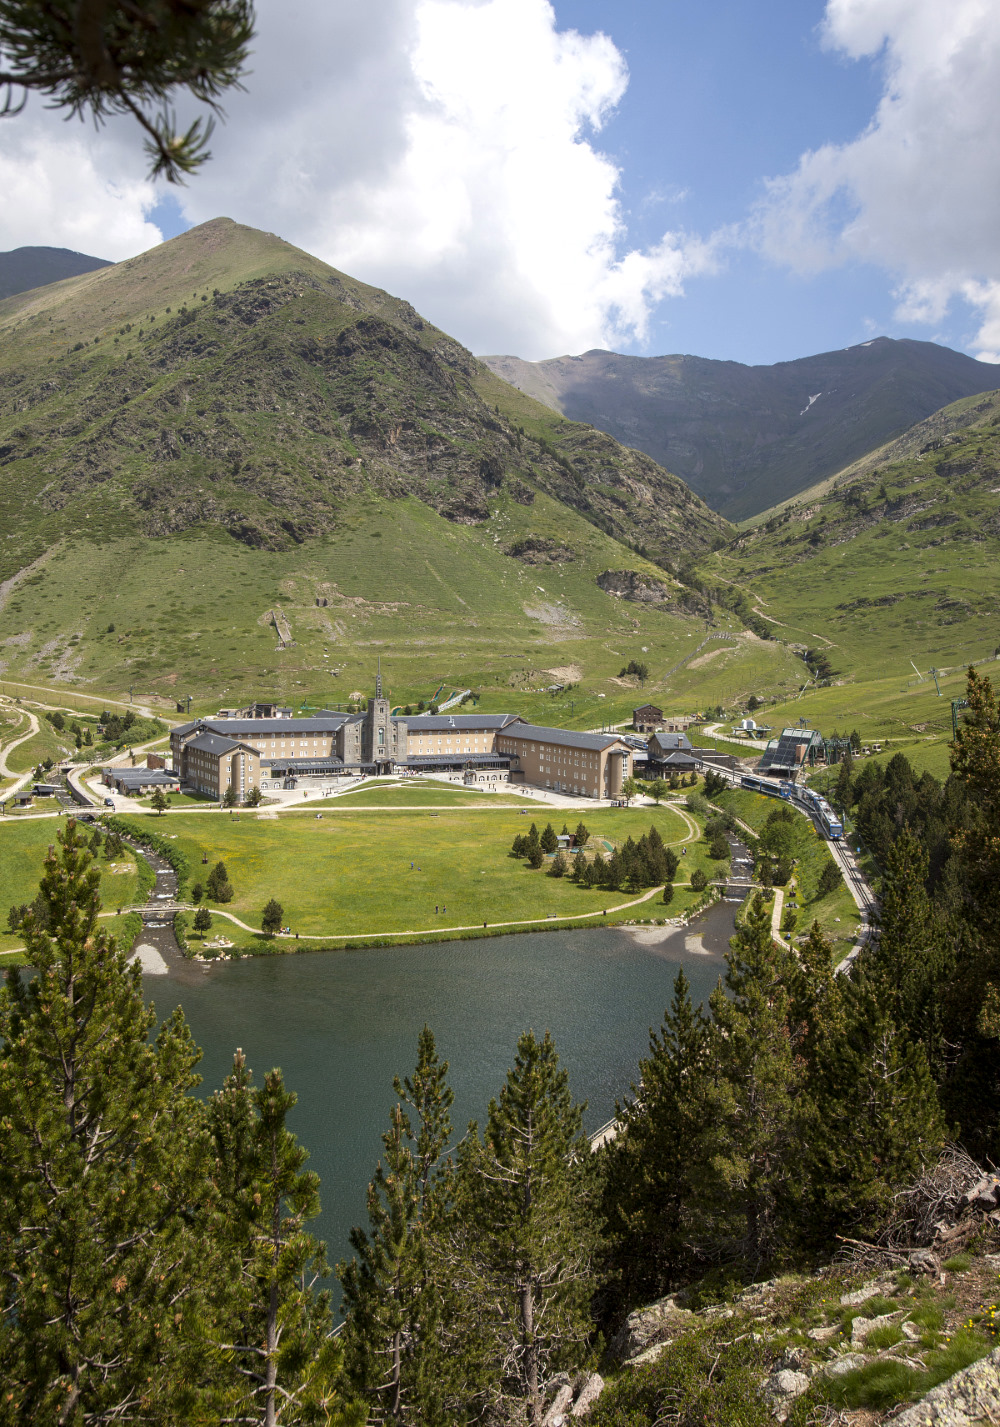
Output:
(20, 779)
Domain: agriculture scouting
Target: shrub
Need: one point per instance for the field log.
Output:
(698, 880)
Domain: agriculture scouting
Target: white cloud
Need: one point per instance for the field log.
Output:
(918, 193)
(57, 193)
(444, 149)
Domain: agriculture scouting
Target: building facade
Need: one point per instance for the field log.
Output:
(591, 765)
(280, 752)
(647, 718)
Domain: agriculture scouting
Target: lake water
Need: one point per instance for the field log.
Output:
(340, 1025)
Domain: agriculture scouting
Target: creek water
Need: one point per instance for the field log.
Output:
(340, 1025)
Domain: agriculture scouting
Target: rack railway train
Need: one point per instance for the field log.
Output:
(806, 798)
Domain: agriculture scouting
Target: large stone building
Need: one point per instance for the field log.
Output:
(213, 754)
(592, 765)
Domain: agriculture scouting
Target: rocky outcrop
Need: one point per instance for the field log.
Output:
(540, 550)
(630, 585)
(573, 1399)
(969, 1399)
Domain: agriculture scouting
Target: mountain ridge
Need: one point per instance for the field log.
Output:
(747, 438)
(22, 269)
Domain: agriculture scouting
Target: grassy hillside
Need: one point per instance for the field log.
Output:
(225, 427)
(889, 572)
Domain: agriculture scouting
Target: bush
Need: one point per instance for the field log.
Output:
(698, 880)
(718, 848)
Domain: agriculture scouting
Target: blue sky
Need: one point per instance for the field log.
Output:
(752, 180)
(722, 95)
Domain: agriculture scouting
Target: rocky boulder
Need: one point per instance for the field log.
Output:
(630, 585)
(969, 1399)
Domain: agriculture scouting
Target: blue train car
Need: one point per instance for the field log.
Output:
(830, 823)
(765, 785)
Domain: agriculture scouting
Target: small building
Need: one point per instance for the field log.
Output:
(793, 750)
(23, 799)
(47, 790)
(647, 718)
(136, 782)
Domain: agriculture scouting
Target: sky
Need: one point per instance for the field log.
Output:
(749, 180)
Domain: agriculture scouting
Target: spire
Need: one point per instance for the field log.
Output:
(378, 679)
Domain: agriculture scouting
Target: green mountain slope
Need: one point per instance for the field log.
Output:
(746, 438)
(24, 268)
(897, 560)
(226, 425)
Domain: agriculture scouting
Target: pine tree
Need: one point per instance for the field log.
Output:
(276, 1361)
(159, 801)
(272, 917)
(103, 1175)
(202, 920)
(529, 1223)
(750, 1119)
(581, 835)
(394, 1345)
(549, 840)
(650, 1163)
(558, 868)
(912, 959)
(871, 1122)
(535, 855)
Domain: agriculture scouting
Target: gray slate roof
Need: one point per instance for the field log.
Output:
(665, 742)
(568, 738)
(441, 723)
(142, 777)
(213, 743)
(246, 727)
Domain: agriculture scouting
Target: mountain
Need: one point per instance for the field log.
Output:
(225, 426)
(746, 438)
(894, 561)
(24, 268)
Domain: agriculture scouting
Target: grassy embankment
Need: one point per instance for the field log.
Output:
(22, 851)
(836, 913)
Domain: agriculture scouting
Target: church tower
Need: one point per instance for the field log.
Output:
(383, 738)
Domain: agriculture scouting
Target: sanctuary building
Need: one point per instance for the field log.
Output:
(212, 755)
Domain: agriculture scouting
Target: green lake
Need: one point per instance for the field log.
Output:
(340, 1025)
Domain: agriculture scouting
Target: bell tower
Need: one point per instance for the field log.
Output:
(378, 733)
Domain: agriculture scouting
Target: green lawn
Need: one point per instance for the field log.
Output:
(22, 851)
(337, 876)
(421, 792)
